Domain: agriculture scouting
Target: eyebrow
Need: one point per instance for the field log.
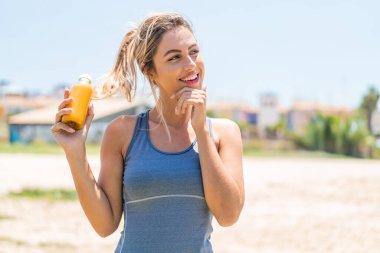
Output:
(177, 50)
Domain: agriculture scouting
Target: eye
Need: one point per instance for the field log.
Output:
(174, 57)
(195, 51)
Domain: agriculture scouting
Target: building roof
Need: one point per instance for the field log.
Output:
(27, 102)
(307, 106)
(102, 108)
(228, 106)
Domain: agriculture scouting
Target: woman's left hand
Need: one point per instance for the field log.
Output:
(194, 100)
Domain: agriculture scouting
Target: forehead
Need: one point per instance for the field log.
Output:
(178, 38)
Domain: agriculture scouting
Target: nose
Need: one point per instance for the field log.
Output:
(190, 63)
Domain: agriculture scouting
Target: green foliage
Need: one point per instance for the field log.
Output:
(42, 148)
(369, 104)
(351, 136)
(332, 134)
(369, 101)
(277, 130)
(298, 154)
(211, 114)
(46, 194)
(5, 217)
(6, 239)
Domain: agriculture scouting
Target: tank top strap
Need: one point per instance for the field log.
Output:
(209, 126)
(144, 120)
(139, 133)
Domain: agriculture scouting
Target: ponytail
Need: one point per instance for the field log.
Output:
(123, 75)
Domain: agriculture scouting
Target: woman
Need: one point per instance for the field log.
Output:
(169, 169)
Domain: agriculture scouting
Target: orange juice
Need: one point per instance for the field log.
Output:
(81, 95)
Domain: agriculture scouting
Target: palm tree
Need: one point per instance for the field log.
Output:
(369, 105)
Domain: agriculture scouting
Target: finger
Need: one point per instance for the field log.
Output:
(90, 116)
(90, 110)
(64, 103)
(181, 91)
(192, 101)
(194, 98)
(66, 93)
(187, 90)
(178, 108)
(59, 127)
(189, 95)
(193, 91)
(178, 93)
(61, 113)
(190, 108)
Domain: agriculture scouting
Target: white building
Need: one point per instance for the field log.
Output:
(268, 113)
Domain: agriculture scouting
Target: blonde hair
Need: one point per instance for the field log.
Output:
(138, 47)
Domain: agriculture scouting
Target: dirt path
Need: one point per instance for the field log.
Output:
(292, 205)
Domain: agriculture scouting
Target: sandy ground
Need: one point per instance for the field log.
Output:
(292, 205)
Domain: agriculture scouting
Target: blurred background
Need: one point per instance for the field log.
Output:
(301, 78)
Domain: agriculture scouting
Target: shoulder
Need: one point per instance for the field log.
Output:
(222, 122)
(224, 129)
(120, 131)
(222, 125)
(121, 124)
(122, 121)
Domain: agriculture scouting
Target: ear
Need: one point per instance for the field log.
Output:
(152, 75)
(149, 73)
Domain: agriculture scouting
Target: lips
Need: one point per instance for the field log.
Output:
(191, 81)
(190, 77)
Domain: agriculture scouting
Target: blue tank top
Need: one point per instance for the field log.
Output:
(163, 199)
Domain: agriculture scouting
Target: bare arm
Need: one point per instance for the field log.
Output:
(222, 172)
(102, 200)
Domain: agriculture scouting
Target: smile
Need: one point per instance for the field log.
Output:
(191, 79)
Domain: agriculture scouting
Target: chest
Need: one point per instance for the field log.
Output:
(176, 142)
(156, 175)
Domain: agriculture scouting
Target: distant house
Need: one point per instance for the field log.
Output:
(240, 113)
(300, 114)
(35, 125)
(243, 114)
(15, 103)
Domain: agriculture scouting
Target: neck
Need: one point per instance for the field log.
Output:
(167, 107)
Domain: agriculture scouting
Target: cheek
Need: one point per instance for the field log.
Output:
(199, 62)
(166, 73)
(169, 78)
(201, 67)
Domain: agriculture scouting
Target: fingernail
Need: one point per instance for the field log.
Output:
(172, 96)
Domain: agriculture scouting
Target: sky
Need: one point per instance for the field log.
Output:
(325, 51)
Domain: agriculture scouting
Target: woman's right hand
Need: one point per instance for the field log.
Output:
(68, 138)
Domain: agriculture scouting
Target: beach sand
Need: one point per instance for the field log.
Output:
(292, 205)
